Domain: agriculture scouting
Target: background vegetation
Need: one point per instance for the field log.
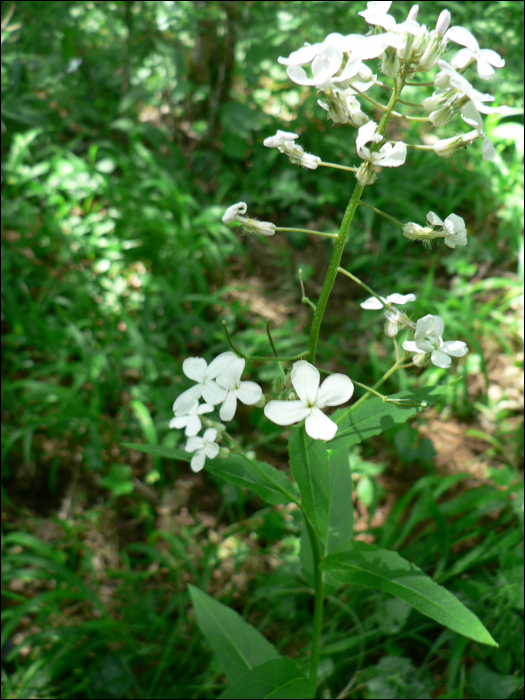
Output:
(127, 129)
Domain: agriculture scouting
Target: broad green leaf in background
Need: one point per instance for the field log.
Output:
(306, 557)
(278, 678)
(340, 510)
(309, 463)
(269, 483)
(373, 416)
(239, 646)
(383, 570)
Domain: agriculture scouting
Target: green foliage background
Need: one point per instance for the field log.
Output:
(127, 129)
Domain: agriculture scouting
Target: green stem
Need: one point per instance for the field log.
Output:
(382, 213)
(283, 374)
(339, 245)
(338, 167)
(318, 604)
(365, 286)
(307, 230)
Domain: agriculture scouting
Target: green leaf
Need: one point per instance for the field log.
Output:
(373, 416)
(278, 678)
(239, 646)
(309, 463)
(306, 557)
(269, 483)
(383, 570)
(340, 510)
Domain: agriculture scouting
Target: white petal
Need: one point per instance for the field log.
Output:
(440, 359)
(193, 426)
(492, 57)
(391, 156)
(485, 70)
(231, 377)
(179, 422)
(410, 346)
(197, 461)
(433, 219)
(211, 450)
(367, 133)
(372, 303)
(212, 392)
(194, 368)
(185, 402)
(204, 408)
(320, 427)
(471, 116)
(229, 406)
(210, 435)
(439, 325)
(233, 212)
(305, 380)
(462, 36)
(454, 224)
(299, 75)
(219, 364)
(461, 58)
(400, 298)
(249, 393)
(286, 412)
(425, 325)
(300, 57)
(335, 390)
(194, 443)
(456, 348)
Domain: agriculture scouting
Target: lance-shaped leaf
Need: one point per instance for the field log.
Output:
(309, 463)
(278, 678)
(239, 646)
(383, 570)
(272, 485)
(373, 416)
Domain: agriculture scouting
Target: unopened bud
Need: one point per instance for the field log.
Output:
(390, 63)
(223, 452)
(415, 232)
(291, 396)
(442, 80)
(391, 329)
(264, 227)
(261, 403)
(446, 147)
(412, 15)
(421, 359)
(443, 23)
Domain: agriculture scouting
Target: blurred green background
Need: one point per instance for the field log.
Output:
(127, 129)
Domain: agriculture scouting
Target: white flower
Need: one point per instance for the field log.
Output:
(203, 447)
(284, 141)
(472, 117)
(235, 213)
(401, 299)
(453, 229)
(429, 332)
(248, 393)
(196, 368)
(486, 58)
(376, 13)
(446, 147)
(191, 421)
(335, 390)
(388, 156)
(463, 86)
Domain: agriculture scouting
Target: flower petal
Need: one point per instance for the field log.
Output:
(299, 76)
(197, 461)
(335, 390)
(440, 359)
(231, 378)
(492, 57)
(194, 368)
(400, 298)
(485, 70)
(456, 348)
(433, 219)
(286, 412)
(229, 406)
(300, 57)
(210, 435)
(305, 380)
(185, 402)
(391, 156)
(424, 325)
(194, 443)
(204, 408)
(462, 36)
(211, 450)
(439, 325)
(372, 303)
(179, 422)
(461, 58)
(249, 393)
(193, 425)
(410, 346)
(487, 149)
(320, 427)
(213, 393)
(219, 364)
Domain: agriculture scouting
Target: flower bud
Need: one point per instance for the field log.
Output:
(291, 396)
(420, 359)
(390, 63)
(223, 453)
(432, 54)
(391, 329)
(442, 80)
(443, 23)
(446, 147)
(415, 232)
(412, 15)
(264, 227)
(261, 403)
(366, 174)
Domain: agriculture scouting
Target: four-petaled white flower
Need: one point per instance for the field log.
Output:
(203, 447)
(335, 390)
(236, 213)
(486, 59)
(196, 368)
(462, 85)
(191, 420)
(376, 13)
(248, 393)
(400, 299)
(429, 339)
(453, 229)
(388, 156)
(284, 141)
